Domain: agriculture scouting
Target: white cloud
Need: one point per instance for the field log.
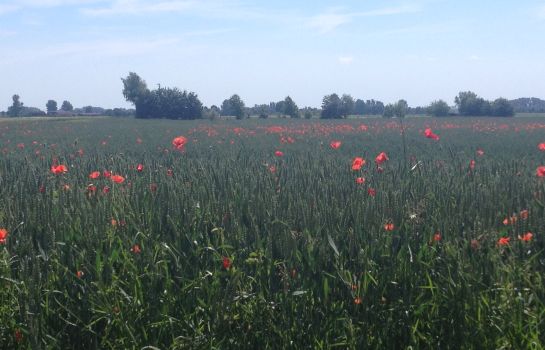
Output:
(6, 8)
(346, 59)
(136, 7)
(541, 12)
(329, 21)
(6, 33)
(475, 58)
(100, 48)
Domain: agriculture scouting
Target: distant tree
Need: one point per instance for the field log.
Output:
(485, 107)
(15, 109)
(280, 107)
(347, 105)
(134, 88)
(401, 108)
(439, 109)
(528, 105)
(215, 109)
(389, 111)
(331, 107)
(51, 107)
(469, 104)
(136, 91)
(162, 102)
(234, 106)
(502, 108)
(359, 107)
(290, 108)
(67, 106)
(374, 107)
(262, 111)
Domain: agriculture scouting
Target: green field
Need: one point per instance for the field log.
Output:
(225, 244)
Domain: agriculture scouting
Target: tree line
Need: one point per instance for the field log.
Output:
(18, 109)
(172, 103)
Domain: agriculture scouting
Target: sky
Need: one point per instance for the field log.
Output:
(418, 50)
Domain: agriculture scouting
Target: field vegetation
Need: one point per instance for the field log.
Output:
(272, 234)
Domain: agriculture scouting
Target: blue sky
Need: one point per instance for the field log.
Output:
(419, 50)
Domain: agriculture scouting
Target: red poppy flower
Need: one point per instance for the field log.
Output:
(360, 180)
(179, 142)
(226, 262)
(472, 164)
(140, 168)
(504, 241)
(357, 300)
(335, 144)
(527, 237)
(136, 249)
(105, 189)
(372, 192)
(118, 179)
(381, 158)
(79, 274)
(540, 171)
(18, 336)
(106, 173)
(389, 226)
(94, 175)
(59, 169)
(541, 146)
(3, 235)
(437, 237)
(278, 153)
(430, 135)
(170, 172)
(357, 163)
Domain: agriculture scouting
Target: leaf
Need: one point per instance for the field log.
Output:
(332, 244)
(299, 292)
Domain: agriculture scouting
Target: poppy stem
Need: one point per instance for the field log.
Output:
(404, 141)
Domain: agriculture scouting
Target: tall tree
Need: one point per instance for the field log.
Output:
(290, 108)
(347, 105)
(16, 108)
(51, 107)
(136, 91)
(389, 111)
(502, 108)
(439, 109)
(67, 106)
(401, 108)
(469, 103)
(331, 106)
(234, 106)
(359, 107)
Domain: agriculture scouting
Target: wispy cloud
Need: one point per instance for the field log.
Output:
(541, 12)
(6, 33)
(329, 21)
(53, 3)
(99, 48)
(474, 58)
(134, 7)
(6, 8)
(346, 60)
